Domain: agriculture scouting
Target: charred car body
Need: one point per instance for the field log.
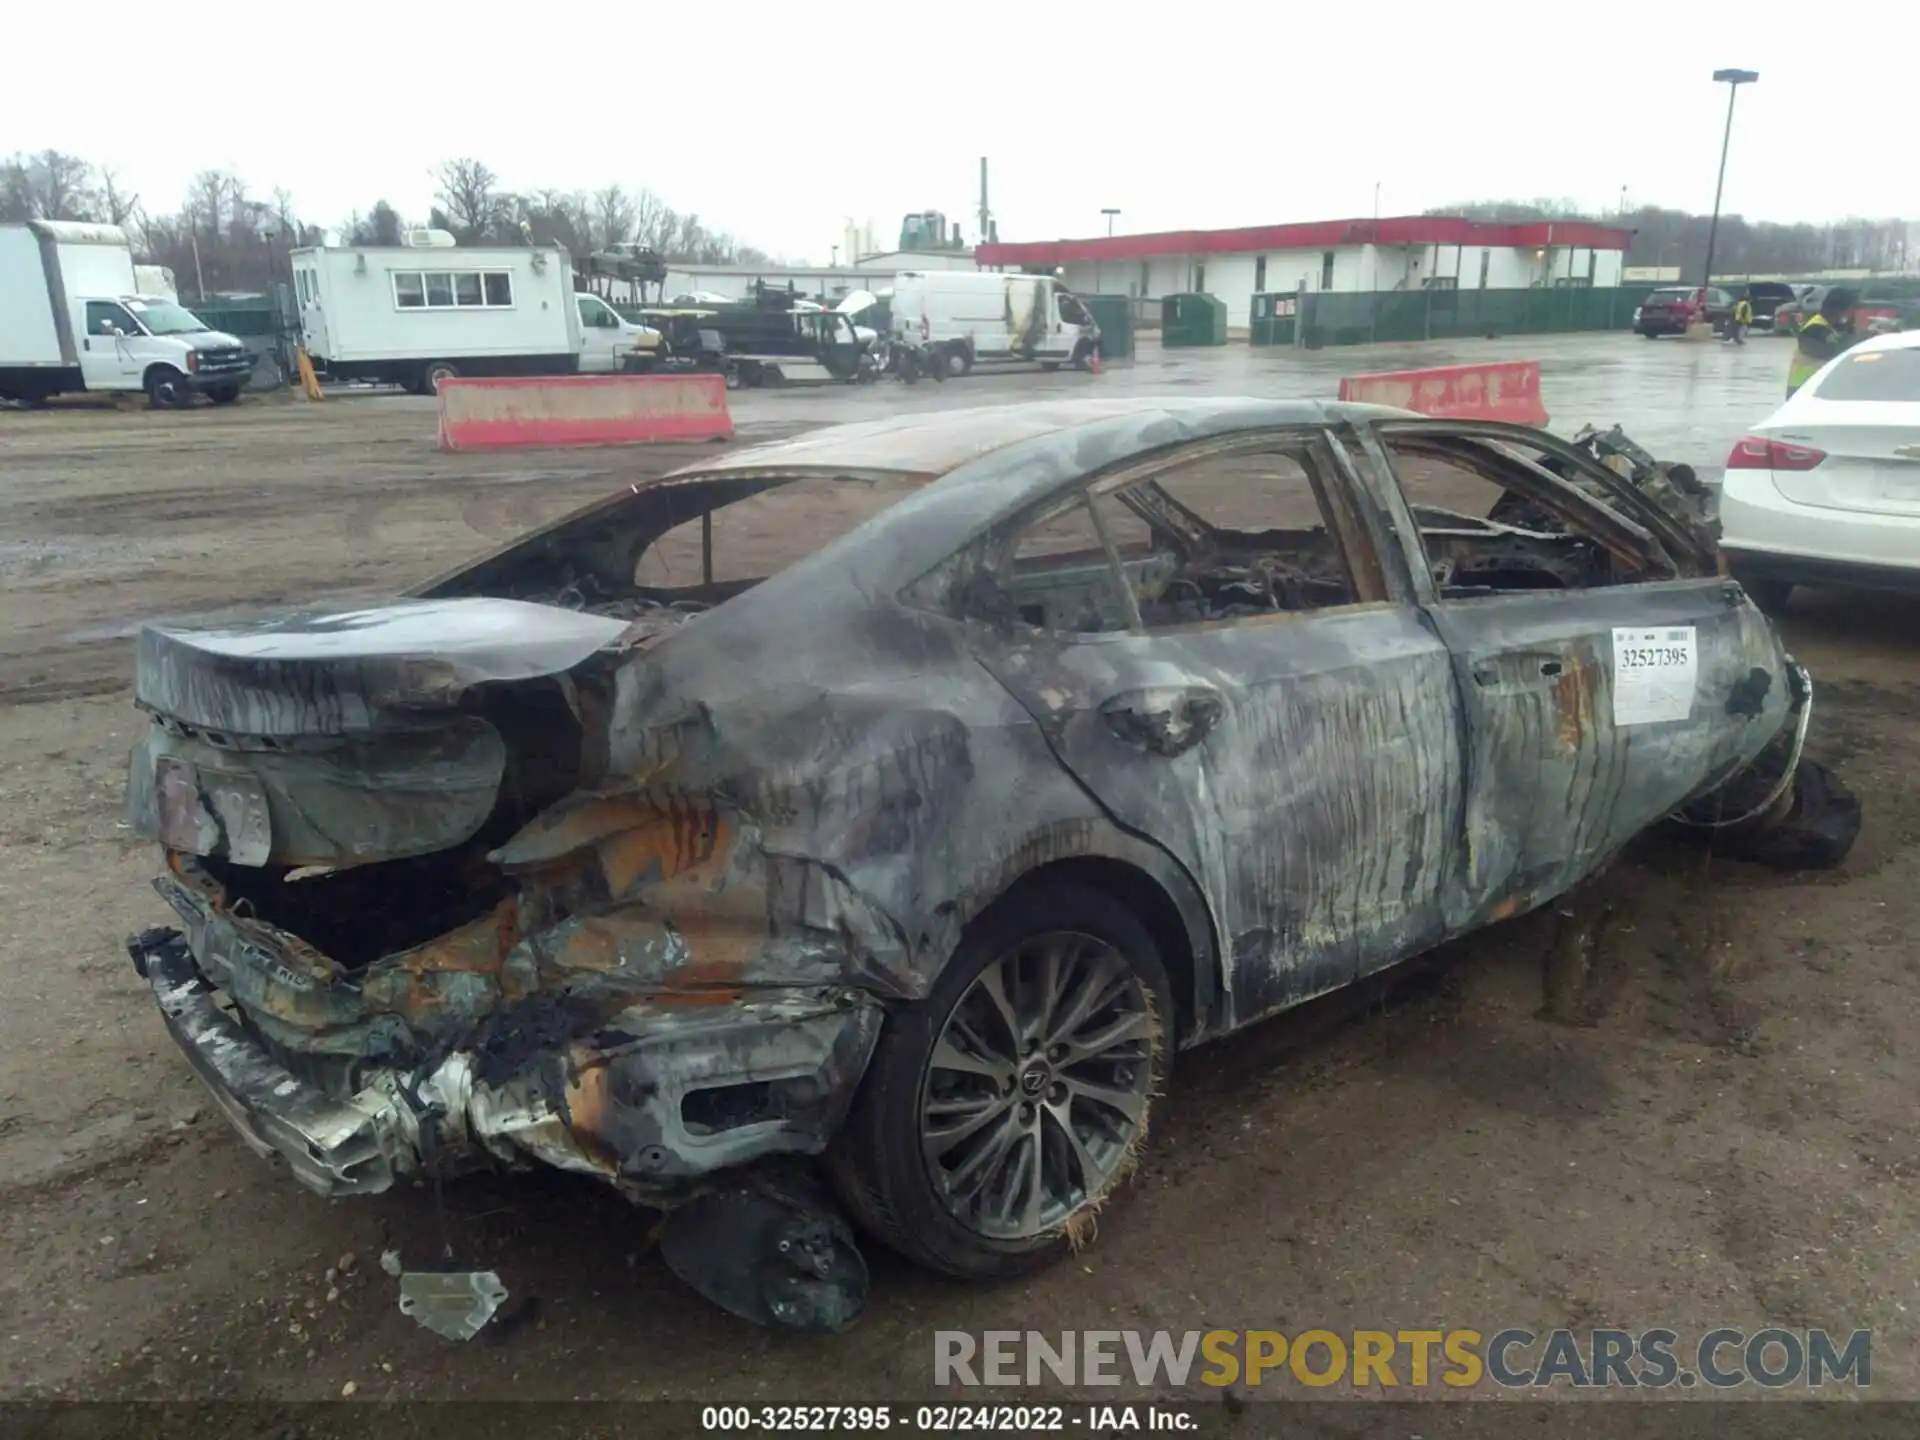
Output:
(1103, 728)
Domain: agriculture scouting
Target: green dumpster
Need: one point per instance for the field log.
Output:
(1114, 315)
(1272, 319)
(1193, 320)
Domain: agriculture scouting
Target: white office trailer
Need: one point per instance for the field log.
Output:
(415, 314)
(74, 318)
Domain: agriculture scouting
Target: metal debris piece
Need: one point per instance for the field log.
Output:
(457, 1305)
(390, 1261)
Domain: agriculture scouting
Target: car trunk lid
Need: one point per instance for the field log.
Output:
(331, 672)
(341, 738)
(1869, 457)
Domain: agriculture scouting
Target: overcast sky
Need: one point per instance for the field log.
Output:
(1183, 116)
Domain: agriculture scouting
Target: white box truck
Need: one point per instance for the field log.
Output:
(969, 316)
(412, 315)
(72, 318)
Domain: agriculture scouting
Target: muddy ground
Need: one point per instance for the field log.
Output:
(1730, 1141)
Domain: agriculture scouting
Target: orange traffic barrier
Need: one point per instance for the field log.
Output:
(1509, 391)
(489, 414)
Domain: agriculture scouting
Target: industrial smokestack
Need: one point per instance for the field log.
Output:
(986, 215)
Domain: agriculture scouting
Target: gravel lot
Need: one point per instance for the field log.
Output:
(1732, 1142)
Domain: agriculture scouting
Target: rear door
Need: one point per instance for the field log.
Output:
(1855, 434)
(1601, 688)
(1236, 681)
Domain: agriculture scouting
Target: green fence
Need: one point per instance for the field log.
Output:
(1372, 317)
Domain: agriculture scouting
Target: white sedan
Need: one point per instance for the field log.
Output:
(1827, 489)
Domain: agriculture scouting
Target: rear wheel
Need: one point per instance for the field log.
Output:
(959, 361)
(1001, 1113)
(432, 373)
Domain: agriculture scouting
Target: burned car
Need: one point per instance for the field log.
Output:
(865, 819)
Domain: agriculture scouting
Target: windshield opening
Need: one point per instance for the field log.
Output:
(1875, 375)
(163, 317)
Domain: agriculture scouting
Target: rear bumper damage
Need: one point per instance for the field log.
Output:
(651, 1098)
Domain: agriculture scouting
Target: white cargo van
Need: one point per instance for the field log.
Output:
(72, 318)
(969, 316)
(412, 315)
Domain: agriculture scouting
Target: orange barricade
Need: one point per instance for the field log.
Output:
(1509, 391)
(488, 414)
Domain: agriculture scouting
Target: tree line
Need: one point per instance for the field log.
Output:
(1740, 246)
(223, 237)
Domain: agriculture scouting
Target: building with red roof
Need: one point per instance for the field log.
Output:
(1405, 252)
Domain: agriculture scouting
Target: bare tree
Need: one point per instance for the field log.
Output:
(49, 185)
(468, 193)
(613, 217)
(118, 205)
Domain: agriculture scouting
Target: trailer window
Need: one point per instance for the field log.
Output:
(453, 289)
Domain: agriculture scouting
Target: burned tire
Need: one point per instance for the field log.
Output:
(1000, 1114)
(167, 389)
(224, 394)
(1815, 832)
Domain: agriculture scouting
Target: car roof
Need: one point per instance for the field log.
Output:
(937, 442)
(1897, 340)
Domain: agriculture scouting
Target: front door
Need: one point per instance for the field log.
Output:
(604, 341)
(1234, 694)
(1598, 694)
(107, 347)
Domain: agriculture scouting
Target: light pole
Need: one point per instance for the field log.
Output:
(1733, 80)
(1109, 212)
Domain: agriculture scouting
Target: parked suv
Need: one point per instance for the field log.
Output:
(1669, 311)
(1767, 297)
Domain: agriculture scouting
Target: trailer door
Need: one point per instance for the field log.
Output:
(313, 316)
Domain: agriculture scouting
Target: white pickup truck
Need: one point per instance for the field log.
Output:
(72, 318)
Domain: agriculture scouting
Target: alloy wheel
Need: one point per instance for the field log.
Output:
(1038, 1087)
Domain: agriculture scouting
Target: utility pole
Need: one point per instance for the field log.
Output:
(1733, 80)
(1109, 213)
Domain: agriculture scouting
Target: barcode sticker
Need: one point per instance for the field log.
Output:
(1655, 673)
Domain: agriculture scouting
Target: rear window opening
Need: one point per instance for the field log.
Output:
(1885, 376)
(739, 545)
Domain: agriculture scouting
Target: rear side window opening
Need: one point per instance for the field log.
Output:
(1886, 376)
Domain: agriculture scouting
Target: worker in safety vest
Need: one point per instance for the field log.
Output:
(1742, 318)
(1825, 334)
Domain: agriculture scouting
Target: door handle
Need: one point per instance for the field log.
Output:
(1489, 675)
(1163, 721)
